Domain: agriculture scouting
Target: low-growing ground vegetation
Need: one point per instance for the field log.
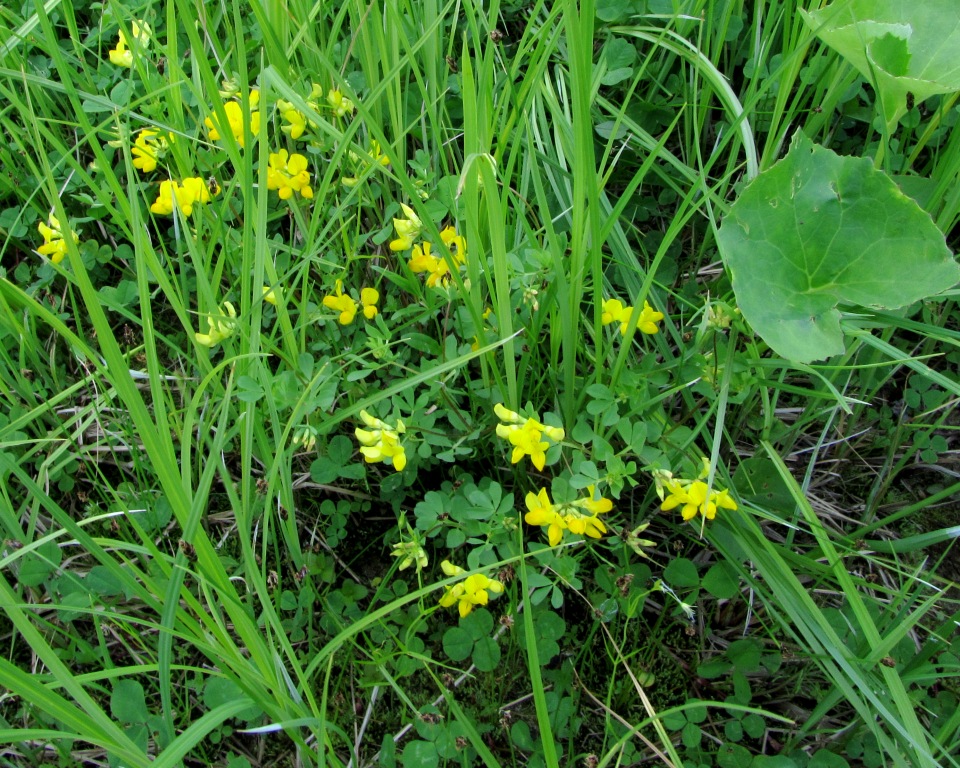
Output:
(450, 383)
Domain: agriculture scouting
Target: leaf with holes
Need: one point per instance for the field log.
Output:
(817, 230)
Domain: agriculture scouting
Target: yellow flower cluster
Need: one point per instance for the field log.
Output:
(579, 517)
(236, 119)
(182, 195)
(296, 120)
(222, 325)
(526, 435)
(381, 442)
(54, 243)
(692, 496)
(438, 267)
(469, 592)
(149, 146)
(347, 306)
(614, 311)
(288, 174)
(122, 56)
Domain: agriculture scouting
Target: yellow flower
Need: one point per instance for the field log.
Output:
(691, 499)
(695, 497)
(222, 325)
(408, 229)
(454, 257)
(554, 433)
(200, 189)
(438, 267)
(288, 174)
(649, 317)
(341, 302)
(347, 306)
(54, 243)
(583, 525)
(296, 121)
(235, 120)
(422, 260)
(558, 518)
(542, 513)
(469, 592)
(170, 191)
(723, 500)
(456, 245)
(526, 441)
(614, 311)
(596, 506)
(191, 191)
(271, 295)
(506, 415)
(122, 56)
(341, 105)
(525, 435)
(369, 298)
(381, 442)
(148, 147)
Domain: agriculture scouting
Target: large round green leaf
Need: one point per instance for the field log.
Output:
(901, 46)
(817, 230)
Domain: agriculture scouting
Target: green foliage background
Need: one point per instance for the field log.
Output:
(196, 565)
